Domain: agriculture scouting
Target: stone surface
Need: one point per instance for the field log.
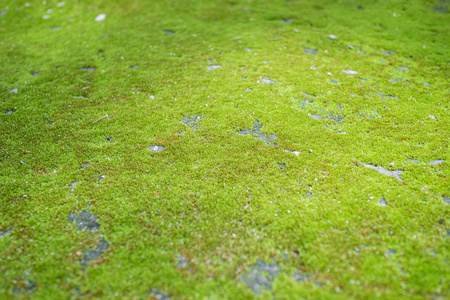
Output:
(192, 121)
(72, 186)
(14, 91)
(310, 51)
(350, 72)
(93, 255)
(100, 17)
(5, 233)
(446, 200)
(382, 202)
(432, 117)
(85, 221)
(294, 152)
(404, 68)
(182, 262)
(8, 112)
(383, 171)
(268, 81)
(158, 295)
(257, 134)
(260, 277)
(156, 148)
(169, 32)
(214, 67)
(87, 69)
(435, 162)
(334, 81)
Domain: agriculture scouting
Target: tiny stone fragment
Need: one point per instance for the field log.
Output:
(350, 72)
(5, 233)
(8, 112)
(109, 138)
(286, 21)
(268, 81)
(14, 91)
(72, 186)
(100, 17)
(87, 69)
(295, 152)
(192, 121)
(85, 220)
(446, 200)
(248, 90)
(404, 68)
(387, 52)
(282, 166)
(156, 148)
(94, 255)
(382, 202)
(334, 81)
(213, 67)
(310, 51)
(169, 32)
(383, 171)
(257, 134)
(260, 277)
(35, 73)
(182, 262)
(316, 117)
(158, 295)
(435, 162)
(134, 67)
(432, 117)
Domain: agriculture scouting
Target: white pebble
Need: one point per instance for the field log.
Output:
(100, 17)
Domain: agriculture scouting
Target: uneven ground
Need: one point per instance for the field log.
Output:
(272, 149)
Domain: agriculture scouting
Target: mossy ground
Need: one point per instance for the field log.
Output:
(218, 201)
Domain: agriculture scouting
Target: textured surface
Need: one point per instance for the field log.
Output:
(318, 167)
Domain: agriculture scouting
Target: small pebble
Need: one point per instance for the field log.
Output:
(100, 17)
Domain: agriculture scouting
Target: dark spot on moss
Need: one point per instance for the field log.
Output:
(85, 221)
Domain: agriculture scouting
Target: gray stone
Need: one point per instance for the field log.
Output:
(84, 165)
(394, 80)
(134, 67)
(93, 255)
(334, 81)
(310, 51)
(404, 68)
(248, 90)
(156, 148)
(213, 67)
(158, 295)
(3, 12)
(286, 21)
(169, 32)
(182, 262)
(248, 49)
(260, 277)
(35, 73)
(192, 121)
(294, 152)
(87, 69)
(435, 162)
(316, 117)
(382, 95)
(5, 233)
(446, 200)
(257, 134)
(382, 202)
(414, 160)
(426, 84)
(432, 117)
(440, 8)
(268, 81)
(383, 171)
(350, 72)
(55, 28)
(282, 166)
(72, 187)
(85, 220)
(387, 52)
(14, 91)
(100, 178)
(8, 112)
(299, 277)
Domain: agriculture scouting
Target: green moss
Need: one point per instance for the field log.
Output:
(214, 196)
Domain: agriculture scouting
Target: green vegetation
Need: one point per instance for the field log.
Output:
(300, 211)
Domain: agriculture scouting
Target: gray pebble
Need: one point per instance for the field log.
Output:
(446, 200)
(383, 171)
(5, 233)
(85, 220)
(310, 51)
(432, 117)
(268, 81)
(156, 148)
(213, 67)
(382, 202)
(14, 91)
(94, 255)
(158, 295)
(169, 32)
(87, 69)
